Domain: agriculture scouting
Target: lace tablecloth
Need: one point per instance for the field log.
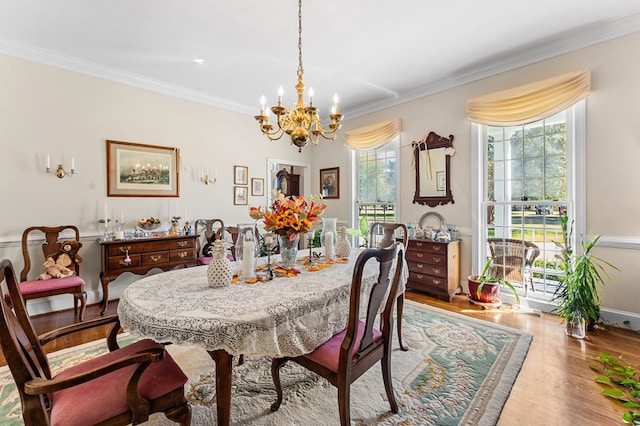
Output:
(283, 317)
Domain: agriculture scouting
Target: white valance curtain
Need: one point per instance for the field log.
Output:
(373, 136)
(531, 102)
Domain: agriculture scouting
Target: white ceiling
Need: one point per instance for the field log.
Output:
(372, 53)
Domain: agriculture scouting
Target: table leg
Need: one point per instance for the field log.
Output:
(224, 362)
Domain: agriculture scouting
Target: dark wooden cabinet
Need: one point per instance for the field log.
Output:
(434, 267)
(140, 255)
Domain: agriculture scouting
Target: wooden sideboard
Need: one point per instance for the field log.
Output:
(434, 267)
(140, 255)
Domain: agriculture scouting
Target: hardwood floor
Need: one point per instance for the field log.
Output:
(554, 387)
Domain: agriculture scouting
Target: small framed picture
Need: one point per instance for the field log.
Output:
(440, 181)
(330, 182)
(240, 195)
(257, 186)
(240, 175)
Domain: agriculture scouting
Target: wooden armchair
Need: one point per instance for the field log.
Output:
(387, 232)
(121, 387)
(64, 252)
(212, 229)
(513, 260)
(349, 354)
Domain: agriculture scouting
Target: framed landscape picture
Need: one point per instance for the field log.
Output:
(257, 186)
(330, 182)
(140, 170)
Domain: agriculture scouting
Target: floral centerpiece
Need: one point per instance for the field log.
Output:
(288, 217)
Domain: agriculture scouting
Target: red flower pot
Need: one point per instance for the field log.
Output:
(490, 292)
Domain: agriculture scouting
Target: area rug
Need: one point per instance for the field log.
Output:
(458, 371)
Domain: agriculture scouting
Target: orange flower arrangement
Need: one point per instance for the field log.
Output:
(289, 216)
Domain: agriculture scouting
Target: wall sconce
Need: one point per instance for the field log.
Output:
(206, 179)
(60, 171)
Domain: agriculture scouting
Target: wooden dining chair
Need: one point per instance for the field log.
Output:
(211, 229)
(349, 354)
(63, 250)
(124, 386)
(383, 234)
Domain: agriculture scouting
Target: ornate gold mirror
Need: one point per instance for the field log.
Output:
(432, 156)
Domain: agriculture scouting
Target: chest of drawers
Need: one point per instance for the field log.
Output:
(139, 256)
(434, 267)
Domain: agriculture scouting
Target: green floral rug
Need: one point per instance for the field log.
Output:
(458, 371)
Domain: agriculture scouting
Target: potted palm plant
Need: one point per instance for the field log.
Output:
(485, 289)
(577, 294)
(361, 232)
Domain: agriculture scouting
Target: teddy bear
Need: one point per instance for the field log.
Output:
(54, 271)
(68, 254)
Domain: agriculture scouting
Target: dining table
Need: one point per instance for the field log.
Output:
(289, 315)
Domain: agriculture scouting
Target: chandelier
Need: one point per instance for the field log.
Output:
(302, 123)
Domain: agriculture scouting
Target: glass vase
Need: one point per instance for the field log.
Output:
(576, 326)
(288, 250)
(246, 250)
(328, 237)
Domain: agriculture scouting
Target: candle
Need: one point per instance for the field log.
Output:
(328, 245)
(73, 163)
(248, 269)
(122, 216)
(268, 241)
(106, 214)
(185, 214)
(48, 161)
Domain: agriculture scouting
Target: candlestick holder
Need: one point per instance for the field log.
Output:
(268, 245)
(105, 234)
(311, 261)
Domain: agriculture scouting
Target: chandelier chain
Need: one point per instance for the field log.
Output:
(300, 68)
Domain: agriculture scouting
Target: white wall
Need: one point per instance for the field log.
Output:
(613, 150)
(49, 110)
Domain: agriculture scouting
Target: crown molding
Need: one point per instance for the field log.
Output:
(544, 49)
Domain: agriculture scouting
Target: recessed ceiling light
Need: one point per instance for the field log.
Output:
(199, 61)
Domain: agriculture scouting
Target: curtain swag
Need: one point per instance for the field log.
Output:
(373, 136)
(531, 102)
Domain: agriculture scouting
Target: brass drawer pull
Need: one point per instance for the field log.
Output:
(436, 282)
(124, 249)
(182, 243)
(155, 257)
(435, 248)
(419, 244)
(420, 276)
(436, 270)
(436, 259)
(419, 255)
(420, 265)
(124, 262)
(183, 254)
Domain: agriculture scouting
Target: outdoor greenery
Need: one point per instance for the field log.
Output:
(622, 384)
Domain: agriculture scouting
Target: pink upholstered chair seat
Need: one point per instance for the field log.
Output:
(204, 260)
(328, 353)
(28, 287)
(37, 286)
(95, 404)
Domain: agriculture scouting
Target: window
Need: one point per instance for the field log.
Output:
(376, 181)
(527, 178)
